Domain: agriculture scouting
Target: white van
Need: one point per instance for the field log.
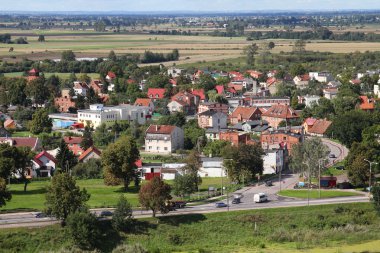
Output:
(260, 197)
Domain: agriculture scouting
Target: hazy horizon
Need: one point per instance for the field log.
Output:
(186, 5)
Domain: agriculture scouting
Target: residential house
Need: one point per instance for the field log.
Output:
(242, 114)
(254, 126)
(98, 114)
(43, 165)
(367, 104)
(308, 100)
(111, 76)
(32, 142)
(10, 124)
(280, 140)
(376, 90)
(273, 161)
(65, 101)
(278, 113)
(316, 127)
(334, 84)
(234, 137)
(33, 74)
(156, 93)
(184, 102)
(255, 74)
(90, 153)
(208, 106)
(356, 81)
(80, 88)
(175, 72)
(301, 81)
(73, 143)
(212, 119)
(330, 93)
(272, 84)
(163, 139)
(97, 86)
(147, 102)
(219, 89)
(322, 77)
(200, 93)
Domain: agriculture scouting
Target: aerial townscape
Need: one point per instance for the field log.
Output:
(192, 126)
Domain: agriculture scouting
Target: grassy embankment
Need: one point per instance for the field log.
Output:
(314, 193)
(101, 195)
(328, 228)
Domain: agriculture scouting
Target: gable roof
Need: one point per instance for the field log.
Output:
(143, 101)
(72, 140)
(8, 122)
(88, 152)
(310, 121)
(281, 111)
(219, 89)
(160, 129)
(320, 126)
(200, 93)
(46, 154)
(111, 74)
(365, 103)
(152, 92)
(31, 142)
(245, 112)
(80, 85)
(33, 71)
(304, 78)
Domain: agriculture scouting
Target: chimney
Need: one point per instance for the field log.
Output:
(156, 128)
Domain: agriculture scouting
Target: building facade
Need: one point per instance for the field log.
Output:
(163, 139)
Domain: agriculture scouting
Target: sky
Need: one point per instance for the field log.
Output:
(184, 5)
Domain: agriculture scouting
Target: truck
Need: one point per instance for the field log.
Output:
(260, 197)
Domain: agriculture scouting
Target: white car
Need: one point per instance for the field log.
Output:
(260, 197)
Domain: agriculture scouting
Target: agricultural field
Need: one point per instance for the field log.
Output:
(193, 49)
(314, 229)
(101, 195)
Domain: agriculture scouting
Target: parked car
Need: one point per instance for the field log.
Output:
(41, 215)
(260, 197)
(220, 204)
(268, 183)
(332, 156)
(173, 205)
(236, 201)
(106, 213)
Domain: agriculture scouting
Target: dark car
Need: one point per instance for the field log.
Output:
(106, 213)
(179, 204)
(236, 201)
(268, 183)
(220, 204)
(41, 215)
(332, 156)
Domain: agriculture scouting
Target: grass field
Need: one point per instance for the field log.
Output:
(193, 49)
(328, 228)
(101, 195)
(314, 194)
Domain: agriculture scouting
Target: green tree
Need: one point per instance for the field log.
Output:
(185, 184)
(177, 119)
(126, 248)
(375, 190)
(87, 141)
(308, 155)
(41, 38)
(155, 195)
(193, 134)
(23, 162)
(83, 229)
(66, 159)
(122, 215)
(64, 197)
(67, 56)
(207, 82)
(37, 91)
(324, 109)
(119, 159)
(41, 123)
(5, 195)
(271, 45)
(243, 162)
(299, 47)
(112, 56)
(215, 148)
(297, 69)
(250, 52)
(92, 169)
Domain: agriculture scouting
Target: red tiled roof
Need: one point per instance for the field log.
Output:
(233, 89)
(245, 112)
(111, 74)
(366, 103)
(33, 71)
(281, 111)
(254, 73)
(219, 89)
(72, 140)
(96, 84)
(173, 82)
(271, 81)
(356, 81)
(156, 92)
(310, 121)
(236, 87)
(22, 141)
(200, 93)
(320, 126)
(46, 154)
(89, 151)
(138, 163)
(160, 129)
(80, 85)
(8, 123)
(143, 101)
(304, 78)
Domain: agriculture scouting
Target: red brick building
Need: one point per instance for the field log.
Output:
(236, 138)
(280, 140)
(243, 114)
(64, 102)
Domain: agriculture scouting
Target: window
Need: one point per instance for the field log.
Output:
(165, 148)
(158, 148)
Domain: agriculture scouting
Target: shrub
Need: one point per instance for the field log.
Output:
(124, 248)
(83, 229)
(122, 215)
(175, 239)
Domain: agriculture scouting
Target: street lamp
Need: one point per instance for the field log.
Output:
(228, 178)
(370, 173)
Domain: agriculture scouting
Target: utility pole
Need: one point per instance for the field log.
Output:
(370, 175)
(319, 177)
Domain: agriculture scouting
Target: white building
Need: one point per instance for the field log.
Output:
(98, 114)
(80, 88)
(212, 167)
(310, 100)
(376, 90)
(273, 161)
(175, 72)
(322, 77)
(163, 139)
